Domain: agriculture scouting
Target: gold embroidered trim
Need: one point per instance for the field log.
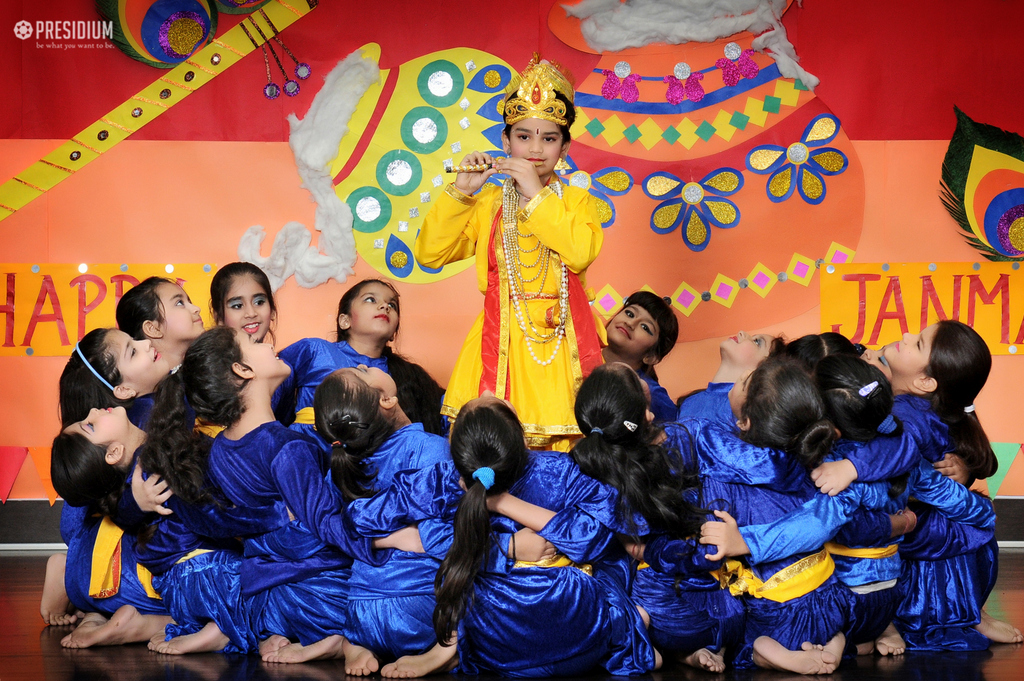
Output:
(117, 125)
(165, 79)
(54, 165)
(86, 146)
(150, 101)
(229, 48)
(453, 191)
(504, 332)
(201, 67)
(8, 208)
(29, 184)
(526, 211)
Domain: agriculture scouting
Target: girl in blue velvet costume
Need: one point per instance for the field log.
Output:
(640, 335)
(618, 448)
(518, 616)
(796, 609)
(390, 606)
(859, 401)
(740, 355)
(368, 319)
(256, 462)
(241, 298)
(190, 553)
(936, 376)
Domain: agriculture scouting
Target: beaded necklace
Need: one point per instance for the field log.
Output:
(514, 267)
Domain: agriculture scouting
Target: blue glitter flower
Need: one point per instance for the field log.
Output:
(802, 165)
(696, 205)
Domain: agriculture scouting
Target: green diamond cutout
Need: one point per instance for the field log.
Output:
(799, 85)
(704, 131)
(739, 121)
(632, 133)
(671, 135)
(594, 127)
(1005, 453)
(772, 104)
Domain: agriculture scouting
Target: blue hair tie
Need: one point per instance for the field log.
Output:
(596, 431)
(887, 426)
(95, 373)
(485, 475)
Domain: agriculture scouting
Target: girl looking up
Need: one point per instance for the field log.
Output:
(533, 239)
(159, 310)
(241, 298)
(390, 607)
(110, 369)
(640, 335)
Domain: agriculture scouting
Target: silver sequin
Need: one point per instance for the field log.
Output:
(464, 104)
(456, 147)
(437, 181)
(424, 130)
(378, 243)
(622, 69)
(681, 70)
(425, 197)
(733, 51)
(368, 209)
(797, 152)
(470, 65)
(414, 212)
(464, 123)
(399, 172)
(580, 179)
(403, 226)
(693, 193)
(440, 83)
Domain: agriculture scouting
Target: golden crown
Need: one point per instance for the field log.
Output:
(531, 94)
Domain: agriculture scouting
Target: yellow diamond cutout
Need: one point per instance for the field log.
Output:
(686, 299)
(761, 280)
(839, 254)
(801, 269)
(651, 133)
(723, 128)
(688, 133)
(724, 290)
(755, 112)
(613, 128)
(580, 126)
(787, 92)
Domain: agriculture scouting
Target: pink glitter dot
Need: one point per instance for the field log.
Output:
(723, 291)
(800, 270)
(761, 279)
(839, 257)
(607, 302)
(685, 298)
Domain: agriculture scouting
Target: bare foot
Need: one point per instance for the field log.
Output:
(293, 653)
(55, 606)
(83, 634)
(865, 648)
(890, 642)
(811, 659)
(707, 660)
(997, 630)
(359, 661)
(272, 644)
(209, 639)
(438, 659)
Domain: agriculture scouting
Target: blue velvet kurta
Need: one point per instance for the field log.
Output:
(758, 486)
(688, 608)
(312, 360)
(662, 406)
(532, 621)
(711, 405)
(391, 606)
(303, 564)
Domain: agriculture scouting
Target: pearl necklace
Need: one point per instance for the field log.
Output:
(510, 245)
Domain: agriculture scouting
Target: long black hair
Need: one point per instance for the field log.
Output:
(785, 411)
(350, 419)
(79, 388)
(214, 391)
(616, 449)
(81, 475)
(960, 363)
(664, 316)
(226, 276)
(810, 349)
(487, 434)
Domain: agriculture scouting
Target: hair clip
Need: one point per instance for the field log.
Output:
(969, 409)
(91, 368)
(859, 349)
(485, 475)
(630, 426)
(887, 426)
(867, 390)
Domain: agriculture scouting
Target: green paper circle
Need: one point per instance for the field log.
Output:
(407, 187)
(378, 223)
(410, 120)
(439, 66)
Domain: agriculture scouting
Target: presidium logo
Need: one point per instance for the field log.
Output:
(65, 30)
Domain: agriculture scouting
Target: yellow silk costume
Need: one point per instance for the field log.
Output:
(461, 226)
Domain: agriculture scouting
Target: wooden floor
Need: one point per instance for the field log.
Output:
(28, 650)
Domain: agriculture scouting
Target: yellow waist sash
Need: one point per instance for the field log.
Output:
(882, 552)
(193, 554)
(798, 579)
(558, 561)
(306, 415)
(642, 565)
(208, 429)
(105, 575)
